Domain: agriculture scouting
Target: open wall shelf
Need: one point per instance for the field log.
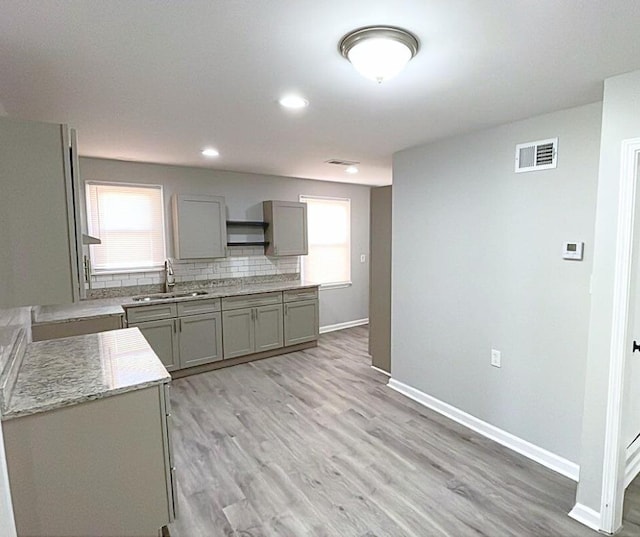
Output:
(248, 224)
(251, 243)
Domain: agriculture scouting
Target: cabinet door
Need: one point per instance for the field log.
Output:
(238, 336)
(200, 339)
(301, 323)
(287, 230)
(268, 327)
(199, 226)
(163, 338)
(38, 253)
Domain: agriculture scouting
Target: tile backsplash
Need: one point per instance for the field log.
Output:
(241, 263)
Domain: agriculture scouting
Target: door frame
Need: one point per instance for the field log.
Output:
(614, 463)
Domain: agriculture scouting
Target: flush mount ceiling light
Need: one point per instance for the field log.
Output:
(210, 152)
(294, 102)
(379, 52)
(351, 169)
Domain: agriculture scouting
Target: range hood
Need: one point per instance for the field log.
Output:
(88, 239)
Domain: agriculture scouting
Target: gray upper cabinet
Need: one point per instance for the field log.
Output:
(200, 339)
(286, 233)
(199, 226)
(38, 264)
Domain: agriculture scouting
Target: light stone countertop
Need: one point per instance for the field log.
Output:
(107, 307)
(63, 372)
(85, 309)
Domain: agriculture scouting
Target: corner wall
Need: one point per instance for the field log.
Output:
(620, 121)
(244, 194)
(477, 265)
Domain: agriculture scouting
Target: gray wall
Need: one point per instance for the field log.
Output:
(477, 265)
(620, 121)
(244, 194)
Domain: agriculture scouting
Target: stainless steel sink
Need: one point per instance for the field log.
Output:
(150, 298)
(195, 293)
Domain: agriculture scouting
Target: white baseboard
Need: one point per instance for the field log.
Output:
(587, 516)
(381, 370)
(540, 455)
(632, 464)
(342, 326)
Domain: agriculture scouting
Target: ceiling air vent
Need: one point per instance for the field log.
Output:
(540, 155)
(340, 162)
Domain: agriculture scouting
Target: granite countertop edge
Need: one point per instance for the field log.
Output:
(112, 307)
(64, 372)
(30, 411)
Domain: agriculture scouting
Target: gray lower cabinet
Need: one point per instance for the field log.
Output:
(163, 337)
(268, 327)
(197, 332)
(238, 333)
(93, 469)
(200, 339)
(300, 322)
(250, 330)
(182, 335)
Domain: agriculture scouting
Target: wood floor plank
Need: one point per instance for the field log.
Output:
(314, 444)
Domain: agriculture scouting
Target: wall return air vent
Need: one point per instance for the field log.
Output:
(533, 156)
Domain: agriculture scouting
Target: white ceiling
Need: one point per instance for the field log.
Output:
(156, 81)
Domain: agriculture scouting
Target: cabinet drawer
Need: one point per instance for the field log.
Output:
(300, 294)
(209, 305)
(151, 313)
(249, 301)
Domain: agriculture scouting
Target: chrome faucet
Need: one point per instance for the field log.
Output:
(169, 278)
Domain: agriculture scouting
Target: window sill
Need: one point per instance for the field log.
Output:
(339, 285)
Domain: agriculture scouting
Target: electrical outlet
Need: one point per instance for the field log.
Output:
(496, 358)
(363, 258)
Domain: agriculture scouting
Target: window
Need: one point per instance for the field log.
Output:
(129, 220)
(329, 227)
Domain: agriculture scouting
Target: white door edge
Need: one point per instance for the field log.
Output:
(614, 450)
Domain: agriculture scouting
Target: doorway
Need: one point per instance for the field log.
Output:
(622, 431)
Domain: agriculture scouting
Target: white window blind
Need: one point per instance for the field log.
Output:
(329, 228)
(129, 220)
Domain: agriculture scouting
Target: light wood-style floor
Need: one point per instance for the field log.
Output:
(314, 444)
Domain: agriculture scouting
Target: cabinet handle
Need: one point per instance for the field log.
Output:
(180, 324)
(286, 309)
(174, 326)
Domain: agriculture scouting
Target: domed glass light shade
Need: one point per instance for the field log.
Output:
(379, 52)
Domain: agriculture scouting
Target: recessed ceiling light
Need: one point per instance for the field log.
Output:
(210, 152)
(294, 102)
(351, 169)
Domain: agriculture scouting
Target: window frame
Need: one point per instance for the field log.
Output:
(155, 268)
(330, 285)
